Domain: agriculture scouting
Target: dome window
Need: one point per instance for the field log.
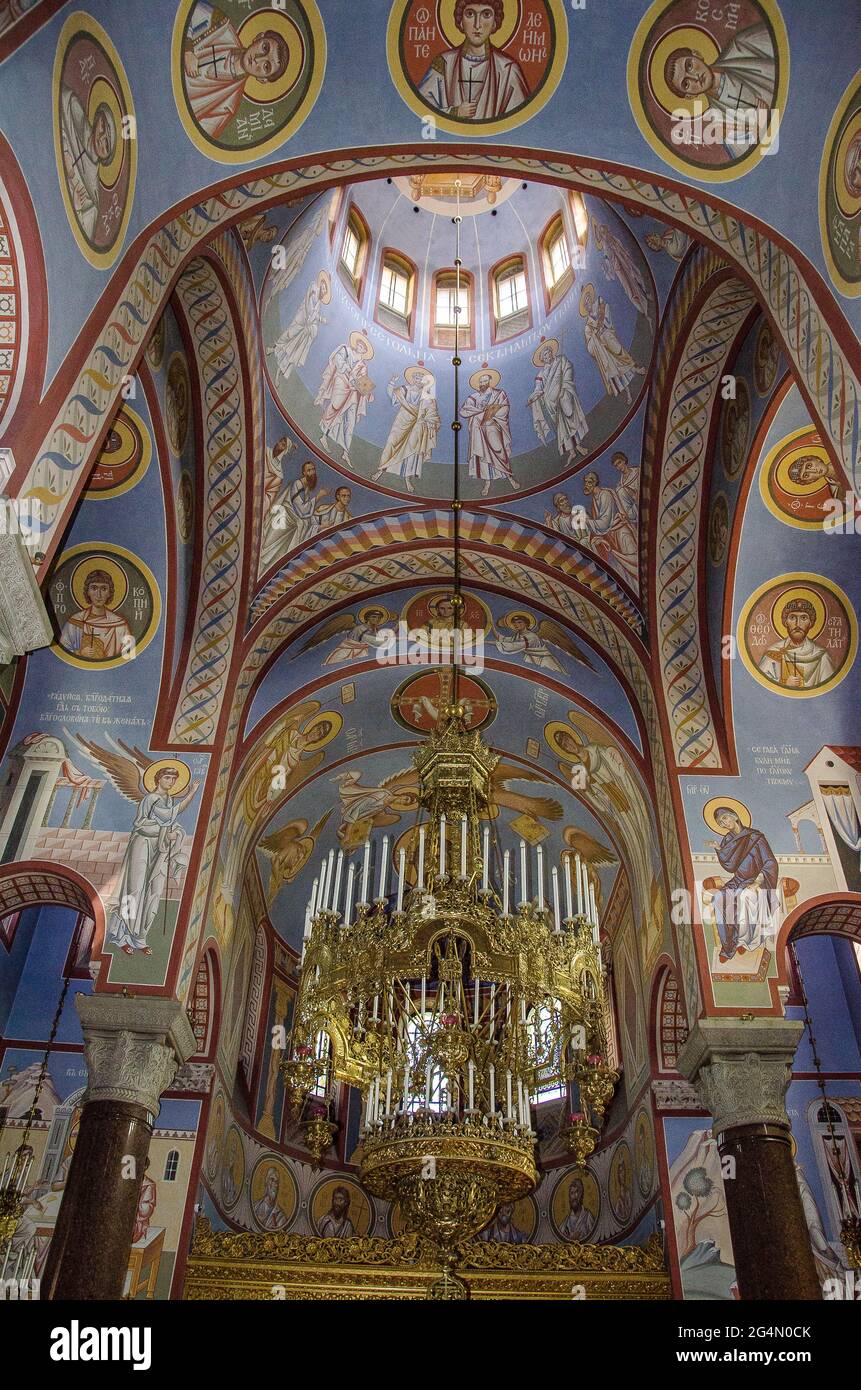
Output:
(397, 293)
(510, 298)
(444, 302)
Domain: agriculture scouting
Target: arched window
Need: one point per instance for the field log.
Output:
(353, 257)
(580, 219)
(445, 300)
(396, 296)
(171, 1164)
(555, 261)
(510, 297)
(547, 1043)
(323, 1054)
(671, 1023)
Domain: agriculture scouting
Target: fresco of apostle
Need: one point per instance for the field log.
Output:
(487, 412)
(345, 393)
(475, 82)
(556, 408)
(615, 364)
(291, 347)
(414, 430)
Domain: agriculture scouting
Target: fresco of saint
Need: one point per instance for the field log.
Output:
(502, 1230)
(580, 1220)
(96, 632)
(88, 147)
(615, 364)
(267, 1211)
(743, 913)
(345, 393)
(610, 527)
(475, 82)
(556, 408)
(620, 265)
(414, 430)
(742, 78)
(487, 412)
(795, 661)
(291, 347)
(216, 66)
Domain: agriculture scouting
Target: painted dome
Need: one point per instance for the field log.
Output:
(358, 310)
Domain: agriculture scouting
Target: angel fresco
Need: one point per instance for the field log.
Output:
(620, 265)
(291, 347)
(289, 850)
(362, 634)
(296, 750)
(532, 638)
(153, 853)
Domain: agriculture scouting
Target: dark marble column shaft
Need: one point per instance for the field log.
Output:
(89, 1251)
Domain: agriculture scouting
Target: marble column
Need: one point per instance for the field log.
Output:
(133, 1049)
(741, 1070)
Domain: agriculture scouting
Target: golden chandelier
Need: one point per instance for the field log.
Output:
(450, 1011)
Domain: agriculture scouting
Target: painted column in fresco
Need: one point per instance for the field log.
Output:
(133, 1048)
(742, 1071)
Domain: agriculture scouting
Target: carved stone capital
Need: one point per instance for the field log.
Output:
(24, 621)
(742, 1069)
(133, 1047)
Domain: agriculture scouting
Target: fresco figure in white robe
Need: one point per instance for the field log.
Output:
(740, 81)
(152, 855)
(294, 253)
(345, 393)
(291, 347)
(615, 363)
(556, 408)
(414, 430)
(487, 412)
(611, 532)
(475, 82)
(620, 265)
(293, 517)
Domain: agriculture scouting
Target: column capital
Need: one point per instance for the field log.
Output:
(133, 1046)
(742, 1069)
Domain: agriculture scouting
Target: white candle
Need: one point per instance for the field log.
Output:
(312, 907)
(383, 890)
(557, 912)
(596, 935)
(471, 1072)
(389, 1093)
(485, 859)
(330, 879)
(508, 1091)
(421, 871)
(307, 932)
(427, 1083)
(366, 869)
(523, 888)
(540, 879)
(579, 889)
(442, 846)
(594, 904)
(348, 905)
(401, 879)
(569, 903)
(338, 871)
(463, 846)
(321, 893)
(376, 1007)
(492, 1090)
(506, 874)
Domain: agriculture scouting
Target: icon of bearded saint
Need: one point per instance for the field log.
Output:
(153, 854)
(289, 849)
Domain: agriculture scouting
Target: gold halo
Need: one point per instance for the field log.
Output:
(334, 721)
(357, 338)
(781, 472)
(182, 770)
(103, 94)
(542, 347)
(494, 375)
(587, 289)
(266, 93)
(531, 619)
(128, 443)
(324, 287)
(732, 805)
(388, 616)
(454, 37)
(417, 373)
(798, 591)
(84, 569)
(849, 204)
(551, 732)
(685, 36)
